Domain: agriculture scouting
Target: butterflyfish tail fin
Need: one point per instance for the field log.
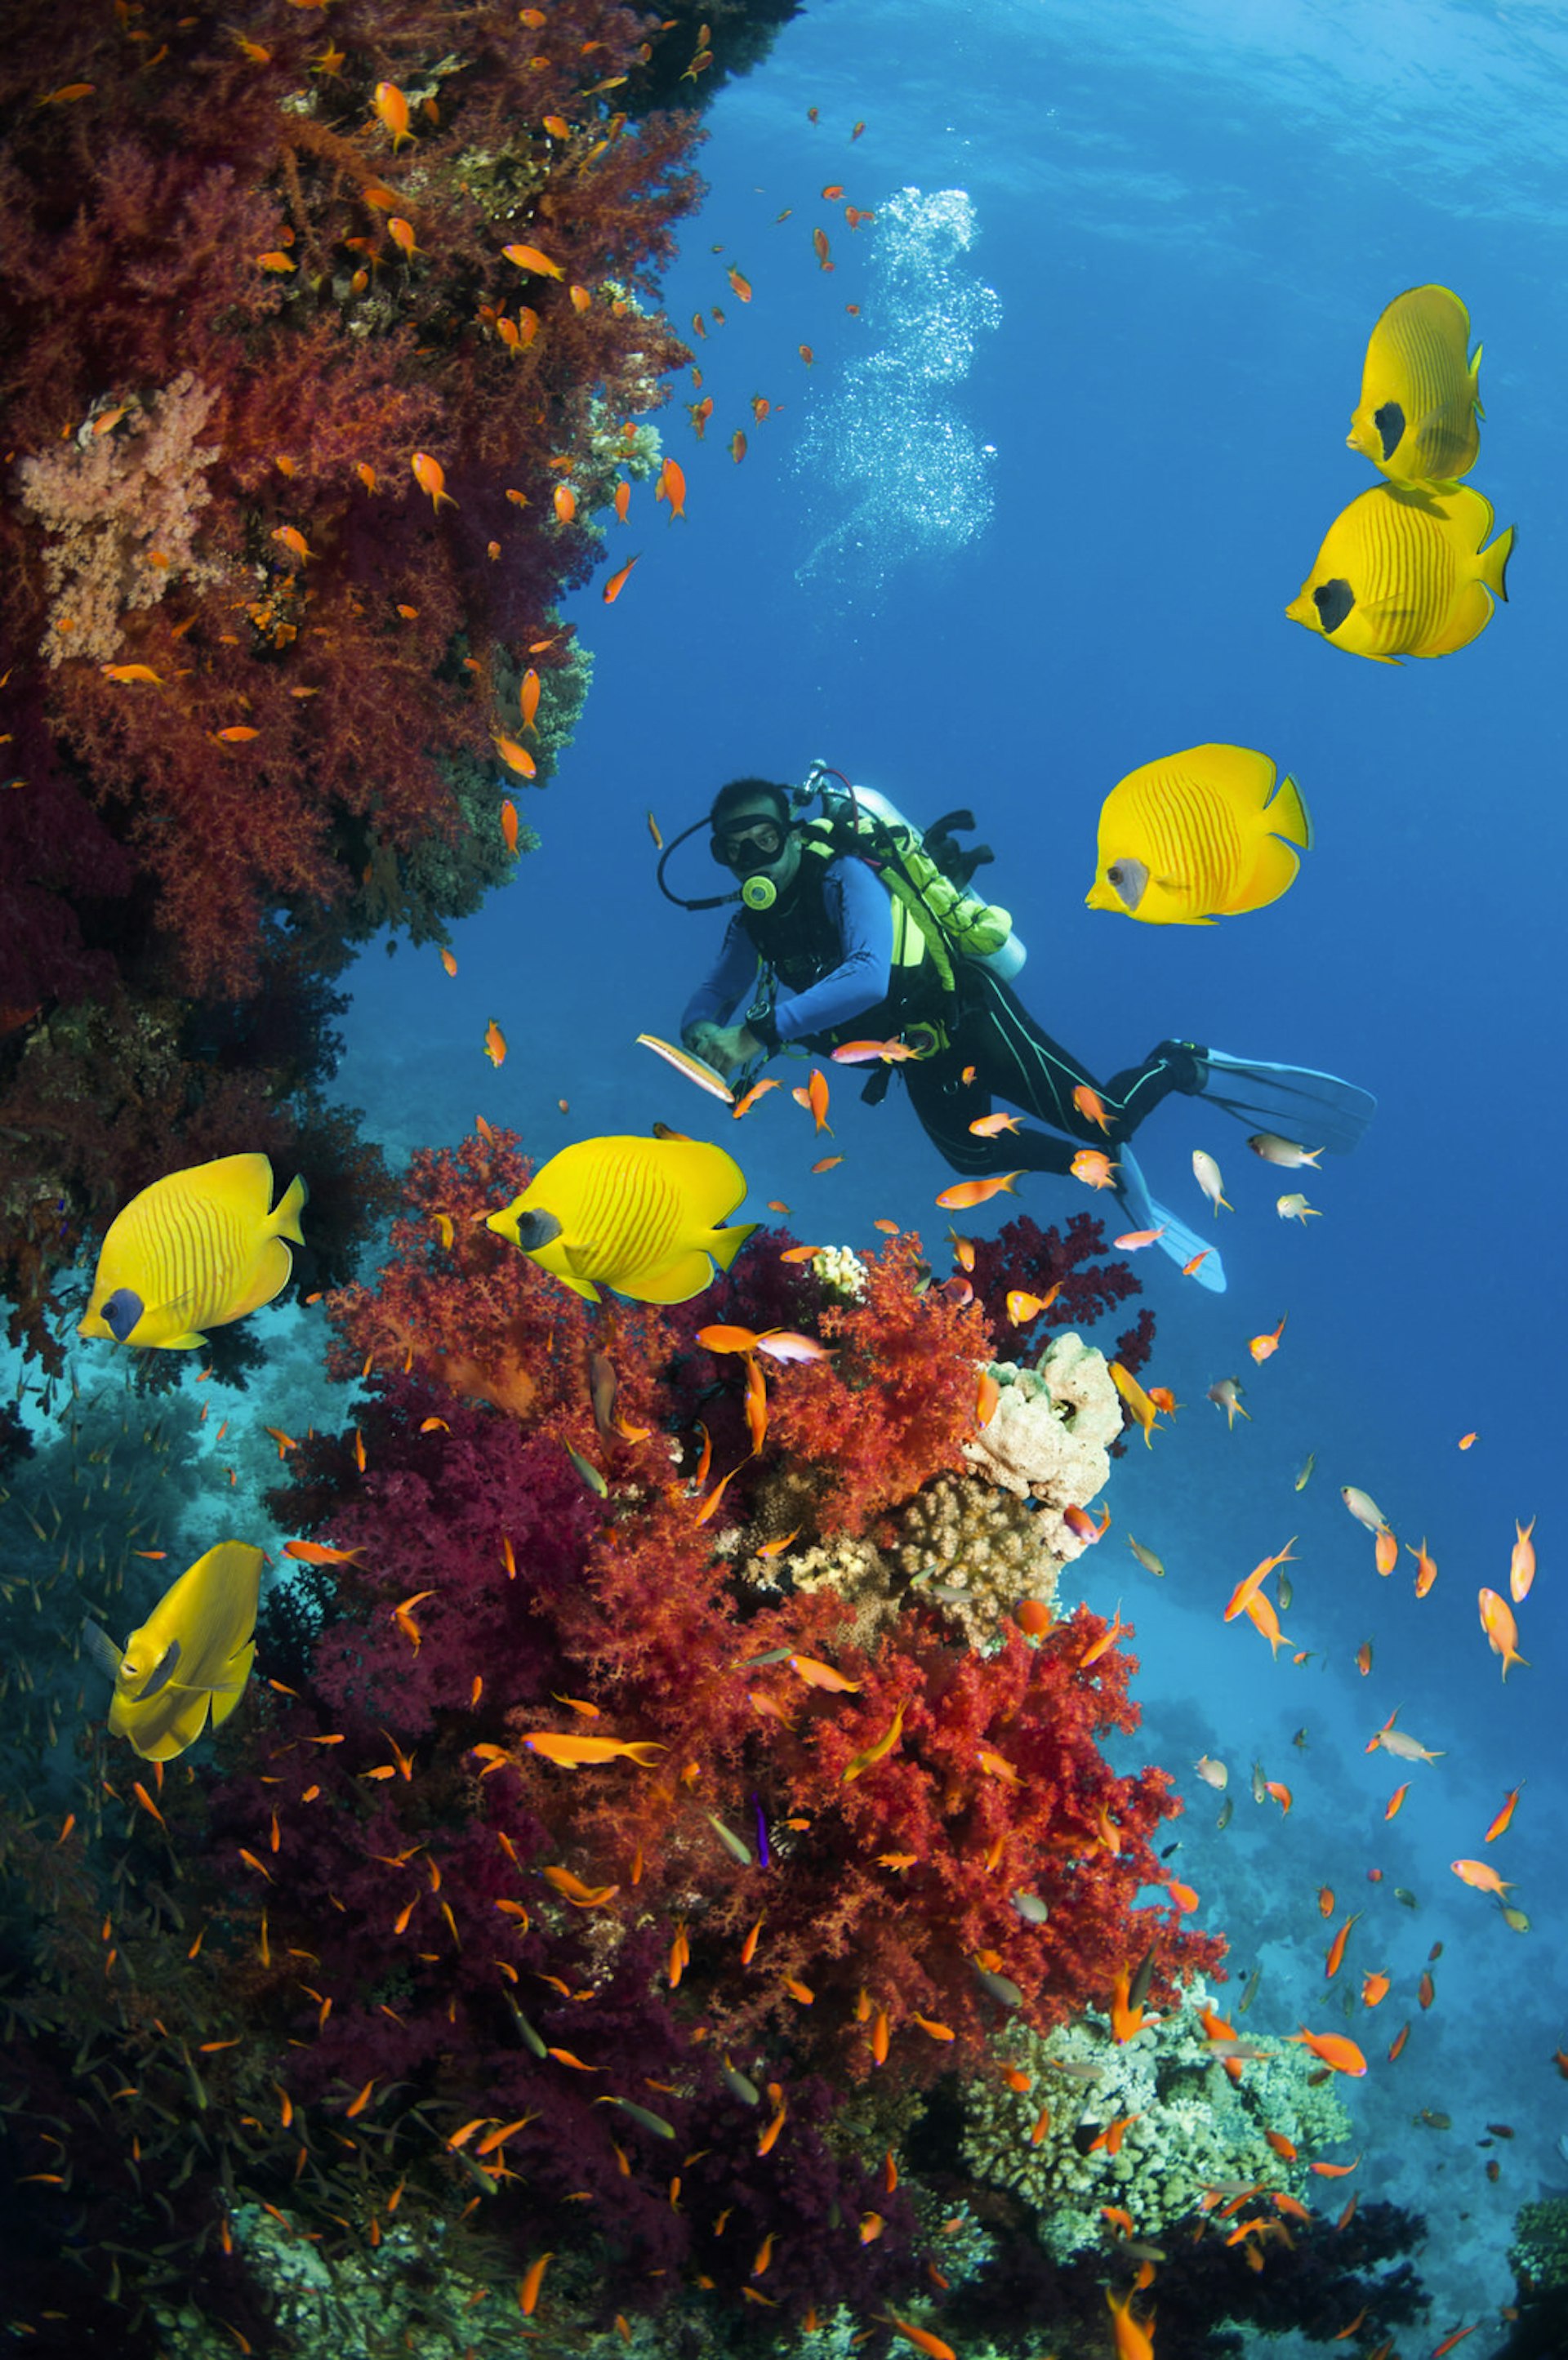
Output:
(1494, 563)
(285, 1221)
(1287, 814)
(724, 1244)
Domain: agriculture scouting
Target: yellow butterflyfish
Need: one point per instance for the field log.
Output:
(1199, 836)
(193, 1655)
(642, 1216)
(194, 1251)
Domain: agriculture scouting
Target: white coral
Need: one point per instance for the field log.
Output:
(1049, 1436)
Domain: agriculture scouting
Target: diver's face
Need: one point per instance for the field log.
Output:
(754, 842)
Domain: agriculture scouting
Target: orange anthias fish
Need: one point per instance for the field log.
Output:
(758, 1089)
(1499, 1824)
(1022, 1307)
(863, 1052)
(1254, 1581)
(508, 829)
(317, 1553)
(820, 248)
(1134, 2340)
(1263, 1348)
(1426, 1568)
(1093, 1167)
(515, 756)
(1481, 1874)
(529, 258)
(391, 108)
(618, 581)
(1335, 1958)
(430, 476)
(814, 1098)
(822, 1676)
(1385, 1550)
(966, 1193)
(1521, 1563)
(989, 1126)
(571, 1753)
(672, 486)
(1091, 1106)
(742, 286)
(1502, 1630)
(495, 1044)
(1341, 2056)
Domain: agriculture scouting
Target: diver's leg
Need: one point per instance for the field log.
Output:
(1016, 1059)
(946, 1105)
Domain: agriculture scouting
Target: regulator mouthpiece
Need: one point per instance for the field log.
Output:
(759, 893)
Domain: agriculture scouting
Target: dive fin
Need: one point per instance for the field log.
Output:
(1179, 1241)
(1318, 1109)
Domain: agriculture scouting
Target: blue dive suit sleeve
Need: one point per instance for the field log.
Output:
(864, 910)
(728, 983)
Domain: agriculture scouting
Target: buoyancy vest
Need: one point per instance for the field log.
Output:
(799, 942)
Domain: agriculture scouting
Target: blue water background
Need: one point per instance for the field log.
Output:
(1001, 565)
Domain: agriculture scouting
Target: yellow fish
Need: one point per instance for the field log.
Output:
(1417, 419)
(1139, 1405)
(1403, 572)
(196, 1250)
(642, 1216)
(193, 1652)
(1197, 835)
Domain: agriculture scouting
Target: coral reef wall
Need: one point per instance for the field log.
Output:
(322, 337)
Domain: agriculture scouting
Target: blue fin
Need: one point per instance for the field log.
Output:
(1179, 1241)
(1318, 1110)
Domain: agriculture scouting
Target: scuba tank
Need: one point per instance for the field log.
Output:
(928, 873)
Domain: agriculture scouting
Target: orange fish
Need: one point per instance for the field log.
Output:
(1336, 1948)
(237, 734)
(758, 1089)
(515, 756)
(430, 476)
(1465, 1440)
(1426, 1568)
(1134, 2340)
(1481, 1874)
(1093, 1167)
(618, 581)
(389, 107)
(822, 1676)
(1400, 2040)
(1521, 1563)
(1022, 1307)
(529, 258)
(528, 2292)
(1499, 1824)
(1385, 1550)
(1374, 1989)
(987, 1126)
(1130, 1241)
(820, 248)
(571, 1753)
(742, 286)
(967, 1193)
(509, 836)
(1253, 1581)
(317, 1553)
(1091, 1106)
(528, 698)
(1502, 1632)
(672, 486)
(814, 1098)
(922, 2338)
(832, 192)
(401, 234)
(1340, 2055)
(807, 354)
(495, 1044)
(1263, 1348)
(566, 503)
(622, 499)
(1396, 1802)
(289, 537)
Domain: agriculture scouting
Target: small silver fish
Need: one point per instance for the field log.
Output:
(1146, 1556)
(1259, 1783)
(1295, 1207)
(588, 1472)
(1223, 1821)
(1213, 1774)
(1363, 1508)
(1403, 1747)
(1402, 1893)
(1031, 1908)
(1243, 2049)
(1251, 1992)
(1206, 1172)
(1299, 1740)
(1001, 1987)
(1227, 1395)
(1283, 1151)
(1304, 1473)
(1287, 1593)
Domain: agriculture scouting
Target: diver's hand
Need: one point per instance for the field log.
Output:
(699, 1039)
(730, 1047)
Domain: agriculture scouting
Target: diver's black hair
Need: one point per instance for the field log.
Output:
(750, 791)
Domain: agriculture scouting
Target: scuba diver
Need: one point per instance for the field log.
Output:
(853, 926)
